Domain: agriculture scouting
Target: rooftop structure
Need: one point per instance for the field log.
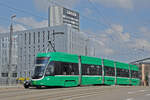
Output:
(59, 15)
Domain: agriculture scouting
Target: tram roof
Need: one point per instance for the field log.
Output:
(73, 58)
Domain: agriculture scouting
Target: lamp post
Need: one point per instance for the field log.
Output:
(10, 50)
(52, 43)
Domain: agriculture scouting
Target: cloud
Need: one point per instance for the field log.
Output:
(25, 23)
(117, 33)
(142, 41)
(117, 44)
(98, 48)
(3, 30)
(144, 32)
(16, 27)
(143, 29)
(43, 5)
(31, 22)
(126, 4)
(140, 44)
(141, 4)
(19, 27)
(87, 12)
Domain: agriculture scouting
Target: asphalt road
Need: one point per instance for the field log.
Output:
(77, 93)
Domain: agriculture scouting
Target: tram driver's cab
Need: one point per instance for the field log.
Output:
(43, 67)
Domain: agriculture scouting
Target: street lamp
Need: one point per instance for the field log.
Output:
(52, 43)
(10, 50)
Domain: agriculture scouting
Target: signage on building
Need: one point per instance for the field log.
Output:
(70, 13)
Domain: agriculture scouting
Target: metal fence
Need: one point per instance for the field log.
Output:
(13, 83)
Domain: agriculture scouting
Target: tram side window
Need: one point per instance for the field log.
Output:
(50, 69)
(85, 69)
(58, 68)
(66, 69)
(75, 68)
(122, 72)
(63, 68)
(91, 69)
(109, 71)
(134, 74)
(95, 70)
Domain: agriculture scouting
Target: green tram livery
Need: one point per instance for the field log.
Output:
(67, 70)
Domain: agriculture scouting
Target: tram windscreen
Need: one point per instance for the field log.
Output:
(40, 66)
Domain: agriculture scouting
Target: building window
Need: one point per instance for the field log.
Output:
(29, 38)
(3, 45)
(4, 74)
(38, 47)
(14, 75)
(38, 37)
(48, 35)
(43, 36)
(25, 36)
(34, 37)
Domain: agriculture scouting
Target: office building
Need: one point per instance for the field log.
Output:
(60, 15)
(26, 44)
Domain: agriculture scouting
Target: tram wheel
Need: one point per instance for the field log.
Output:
(26, 86)
(38, 87)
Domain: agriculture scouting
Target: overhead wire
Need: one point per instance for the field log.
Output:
(81, 14)
(14, 9)
(24, 11)
(8, 20)
(101, 14)
(21, 10)
(106, 23)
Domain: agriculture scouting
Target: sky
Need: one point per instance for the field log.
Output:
(119, 29)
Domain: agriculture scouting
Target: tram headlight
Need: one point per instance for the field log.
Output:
(41, 74)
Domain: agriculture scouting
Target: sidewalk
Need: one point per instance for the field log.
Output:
(11, 86)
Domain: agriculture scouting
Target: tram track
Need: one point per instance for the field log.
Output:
(83, 95)
(70, 96)
(44, 94)
(20, 91)
(73, 95)
(10, 90)
(17, 92)
(56, 93)
(62, 94)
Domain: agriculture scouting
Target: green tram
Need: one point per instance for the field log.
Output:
(67, 70)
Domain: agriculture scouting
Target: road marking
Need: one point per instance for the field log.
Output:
(133, 92)
(84, 95)
(130, 99)
(142, 90)
(147, 94)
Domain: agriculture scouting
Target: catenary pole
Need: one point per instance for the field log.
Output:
(10, 51)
